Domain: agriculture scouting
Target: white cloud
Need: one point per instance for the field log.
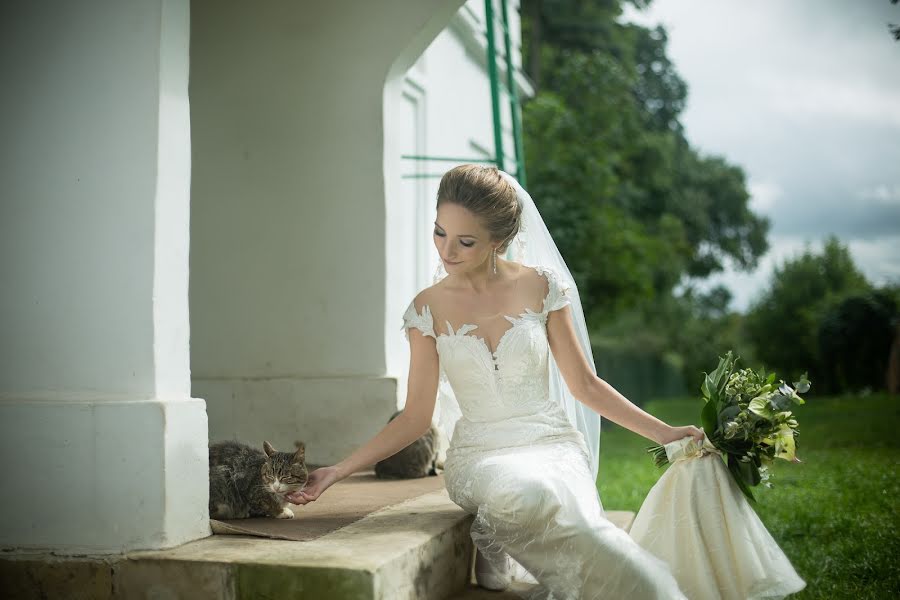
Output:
(881, 194)
(879, 259)
(806, 97)
(764, 195)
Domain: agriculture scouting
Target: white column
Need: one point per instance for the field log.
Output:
(102, 448)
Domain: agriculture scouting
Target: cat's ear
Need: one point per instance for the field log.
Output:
(300, 454)
(268, 448)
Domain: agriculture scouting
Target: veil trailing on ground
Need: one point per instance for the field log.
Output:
(532, 246)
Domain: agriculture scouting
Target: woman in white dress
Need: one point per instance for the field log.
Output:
(523, 450)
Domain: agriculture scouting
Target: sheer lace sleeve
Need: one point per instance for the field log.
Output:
(558, 293)
(423, 322)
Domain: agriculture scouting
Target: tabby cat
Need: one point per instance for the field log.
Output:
(248, 482)
(419, 459)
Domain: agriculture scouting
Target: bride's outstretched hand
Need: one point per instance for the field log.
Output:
(676, 433)
(319, 480)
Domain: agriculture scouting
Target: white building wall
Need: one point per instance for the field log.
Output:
(441, 107)
(289, 265)
(96, 415)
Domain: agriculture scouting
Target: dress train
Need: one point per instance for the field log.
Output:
(698, 521)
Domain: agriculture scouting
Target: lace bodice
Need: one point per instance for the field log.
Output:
(510, 381)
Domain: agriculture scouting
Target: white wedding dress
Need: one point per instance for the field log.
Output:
(519, 466)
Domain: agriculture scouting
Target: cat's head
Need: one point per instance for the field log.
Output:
(284, 472)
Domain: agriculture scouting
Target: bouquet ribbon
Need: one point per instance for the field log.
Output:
(687, 448)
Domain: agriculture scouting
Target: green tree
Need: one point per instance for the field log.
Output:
(783, 323)
(855, 338)
(633, 207)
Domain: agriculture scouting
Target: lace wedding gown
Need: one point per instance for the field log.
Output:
(519, 466)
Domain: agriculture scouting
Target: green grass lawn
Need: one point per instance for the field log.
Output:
(835, 515)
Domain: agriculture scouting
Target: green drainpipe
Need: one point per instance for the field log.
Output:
(495, 80)
(514, 107)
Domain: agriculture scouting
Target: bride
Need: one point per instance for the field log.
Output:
(502, 360)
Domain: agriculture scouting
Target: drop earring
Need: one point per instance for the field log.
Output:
(494, 260)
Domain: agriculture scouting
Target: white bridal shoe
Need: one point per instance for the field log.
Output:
(490, 578)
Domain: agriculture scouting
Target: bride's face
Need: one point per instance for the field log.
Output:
(462, 242)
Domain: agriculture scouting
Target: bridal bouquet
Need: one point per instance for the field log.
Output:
(747, 416)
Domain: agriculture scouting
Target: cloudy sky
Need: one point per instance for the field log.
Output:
(805, 96)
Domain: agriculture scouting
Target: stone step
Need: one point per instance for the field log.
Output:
(419, 549)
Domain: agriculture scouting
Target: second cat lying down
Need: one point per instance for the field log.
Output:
(420, 459)
(248, 482)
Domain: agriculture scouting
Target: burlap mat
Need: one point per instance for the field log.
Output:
(343, 503)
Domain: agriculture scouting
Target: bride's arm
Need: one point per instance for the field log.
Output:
(399, 432)
(598, 395)
(415, 419)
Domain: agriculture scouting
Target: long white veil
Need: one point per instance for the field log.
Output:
(532, 246)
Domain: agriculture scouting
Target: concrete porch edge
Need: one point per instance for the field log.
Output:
(419, 548)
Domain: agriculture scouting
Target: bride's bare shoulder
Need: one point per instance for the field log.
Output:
(428, 296)
(535, 279)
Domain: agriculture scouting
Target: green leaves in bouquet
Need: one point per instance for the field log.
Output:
(708, 418)
(713, 390)
(741, 472)
(658, 451)
(760, 404)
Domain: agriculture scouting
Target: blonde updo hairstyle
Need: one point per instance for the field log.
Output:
(486, 194)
